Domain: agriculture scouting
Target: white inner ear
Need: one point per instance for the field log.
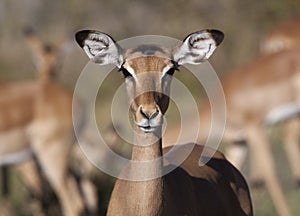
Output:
(101, 49)
(95, 45)
(195, 49)
(203, 44)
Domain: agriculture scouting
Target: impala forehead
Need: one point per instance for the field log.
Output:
(145, 64)
(147, 58)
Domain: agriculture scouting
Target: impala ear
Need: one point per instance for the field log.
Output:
(197, 47)
(100, 47)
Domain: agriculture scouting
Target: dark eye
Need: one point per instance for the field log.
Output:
(171, 71)
(125, 72)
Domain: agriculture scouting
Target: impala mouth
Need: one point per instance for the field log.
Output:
(148, 129)
(149, 126)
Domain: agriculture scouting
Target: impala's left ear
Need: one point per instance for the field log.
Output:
(197, 47)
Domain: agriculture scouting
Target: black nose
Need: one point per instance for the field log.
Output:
(149, 113)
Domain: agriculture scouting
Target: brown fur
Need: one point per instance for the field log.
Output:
(285, 36)
(252, 92)
(189, 189)
(37, 115)
(216, 188)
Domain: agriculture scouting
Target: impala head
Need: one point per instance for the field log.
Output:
(47, 58)
(148, 69)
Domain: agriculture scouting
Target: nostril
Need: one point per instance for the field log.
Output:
(143, 113)
(149, 113)
(154, 114)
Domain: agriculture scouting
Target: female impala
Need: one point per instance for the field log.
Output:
(262, 93)
(286, 37)
(36, 118)
(216, 188)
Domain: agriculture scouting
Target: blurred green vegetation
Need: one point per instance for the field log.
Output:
(243, 22)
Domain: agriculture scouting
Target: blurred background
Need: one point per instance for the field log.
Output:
(244, 23)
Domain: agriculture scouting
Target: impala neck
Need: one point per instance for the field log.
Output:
(46, 74)
(147, 146)
(146, 196)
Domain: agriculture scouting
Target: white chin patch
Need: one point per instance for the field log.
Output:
(148, 129)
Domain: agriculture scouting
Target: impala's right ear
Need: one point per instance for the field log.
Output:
(100, 47)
